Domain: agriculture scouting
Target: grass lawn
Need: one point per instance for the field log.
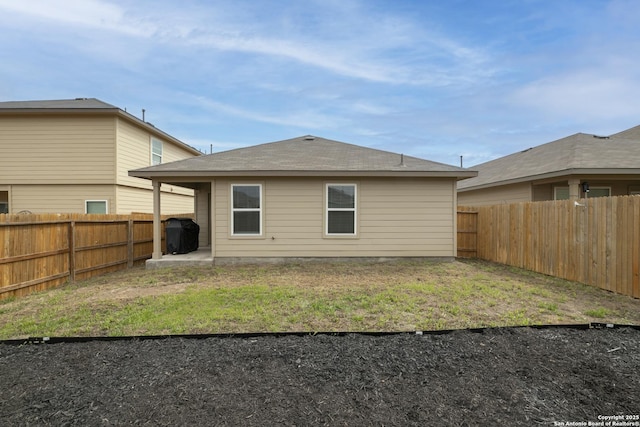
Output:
(310, 297)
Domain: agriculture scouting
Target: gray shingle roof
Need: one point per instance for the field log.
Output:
(78, 103)
(580, 152)
(299, 155)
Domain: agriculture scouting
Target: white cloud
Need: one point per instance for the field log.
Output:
(585, 95)
(307, 119)
(86, 13)
(357, 42)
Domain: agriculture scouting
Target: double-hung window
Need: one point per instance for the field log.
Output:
(341, 210)
(246, 210)
(156, 151)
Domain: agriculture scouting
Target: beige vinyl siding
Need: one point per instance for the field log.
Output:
(139, 200)
(57, 150)
(513, 193)
(543, 192)
(396, 217)
(59, 198)
(202, 213)
(134, 152)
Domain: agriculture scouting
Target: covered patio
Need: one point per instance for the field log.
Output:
(204, 255)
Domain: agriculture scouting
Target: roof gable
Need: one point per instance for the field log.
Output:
(302, 154)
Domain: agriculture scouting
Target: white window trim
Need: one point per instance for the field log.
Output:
(354, 210)
(260, 210)
(555, 191)
(106, 205)
(152, 154)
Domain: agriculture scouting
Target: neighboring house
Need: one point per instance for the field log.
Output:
(562, 169)
(73, 156)
(310, 197)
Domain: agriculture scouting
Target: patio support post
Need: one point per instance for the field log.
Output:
(212, 220)
(157, 222)
(574, 189)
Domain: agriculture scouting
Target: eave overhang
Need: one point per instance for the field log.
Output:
(555, 174)
(199, 176)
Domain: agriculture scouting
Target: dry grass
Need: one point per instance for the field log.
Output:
(394, 296)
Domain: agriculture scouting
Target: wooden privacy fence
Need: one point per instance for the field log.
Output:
(592, 241)
(38, 252)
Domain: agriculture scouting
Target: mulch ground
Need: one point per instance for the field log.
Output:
(497, 377)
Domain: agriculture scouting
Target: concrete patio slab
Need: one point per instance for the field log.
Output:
(200, 257)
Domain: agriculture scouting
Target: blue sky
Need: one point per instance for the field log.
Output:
(433, 79)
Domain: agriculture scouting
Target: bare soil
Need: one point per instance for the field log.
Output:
(493, 377)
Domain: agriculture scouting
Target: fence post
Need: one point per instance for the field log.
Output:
(72, 251)
(130, 234)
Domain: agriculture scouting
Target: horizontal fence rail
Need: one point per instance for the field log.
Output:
(38, 252)
(593, 241)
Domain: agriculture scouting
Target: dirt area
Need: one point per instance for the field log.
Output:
(497, 377)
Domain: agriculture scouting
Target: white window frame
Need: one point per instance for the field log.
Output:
(154, 152)
(564, 187)
(259, 210)
(354, 209)
(106, 205)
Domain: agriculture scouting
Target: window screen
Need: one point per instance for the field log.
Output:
(246, 209)
(341, 209)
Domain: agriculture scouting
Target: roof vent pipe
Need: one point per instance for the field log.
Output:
(402, 160)
(143, 114)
